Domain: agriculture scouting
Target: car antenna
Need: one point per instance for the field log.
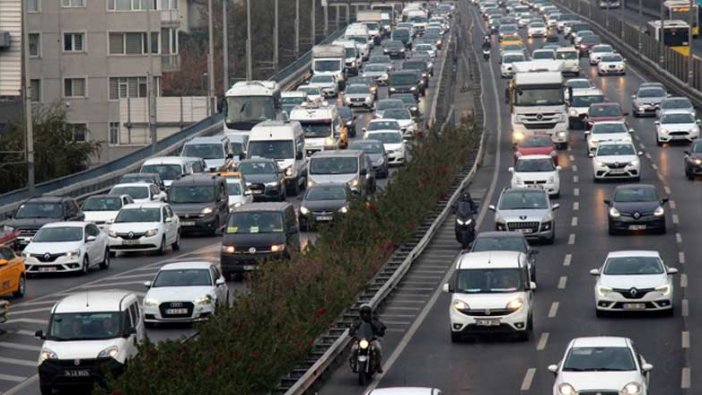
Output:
(87, 299)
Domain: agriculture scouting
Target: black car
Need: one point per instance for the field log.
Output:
(418, 65)
(636, 207)
(36, 212)
(264, 178)
(152, 178)
(407, 81)
(375, 151)
(693, 160)
(506, 241)
(258, 231)
(395, 49)
(349, 119)
(403, 35)
(321, 203)
(201, 202)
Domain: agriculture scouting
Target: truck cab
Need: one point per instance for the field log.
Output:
(330, 60)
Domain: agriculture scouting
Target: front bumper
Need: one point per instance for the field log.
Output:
(268, 192)
(615, 301)
(611, 70)
(481, 323)
(64, 373)
(194, 312)
(314, 218)
(603, 172)
(396, 157)
(62, 264)
(678, 135)
(645, 109)
(359, 103)
(544, 231)
(143, 243)
(196, 222)
(627, 223)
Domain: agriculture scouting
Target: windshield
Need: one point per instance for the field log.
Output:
(321, 79)
(543, 55)
(508, 29)
(499, 244)
(383, 105)
(538, 97)
(676, 103)
(362, 89)
(397, 113)
(536, 142)
(275, 149)
(369, 147)
(378, 67)
(102, 204)
(602, 48)
(350, 52)
(536, 24)
(534, 165)
(327, 65)
(339, 165)
(488, 281)
(605, 128)
(585, 101)
(407, 99)
(58, 234)
(317, 129)
(166, 172)
(255, 222)
(599, 359)
(257, 168)
(512, 58)
(677, 118)
(697, 147)
(137, 177)
(293, 101)
(414, 66)
(204, 151)
(419, 47)
(386, 137)
(84, 326)
(605, 111)
(615, 150)
(633, 265)
(512, 47)
(578, 84)
(611, 58)
(591, 40)
(135, 192)
(234, 189)
(182, 278)
(633, 194)
(39, 210)
(247, 109)
(327, 192)
(651, 92)
(524, 200)
(139, 215)
(191, 194)
(310, 90)
(403, 79)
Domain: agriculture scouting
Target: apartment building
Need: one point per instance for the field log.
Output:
(93, 55)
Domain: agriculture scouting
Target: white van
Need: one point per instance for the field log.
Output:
(284, 142)
(169, 168)
(323, 127)
(571, 60)
(88, 333)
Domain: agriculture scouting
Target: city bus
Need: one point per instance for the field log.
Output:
(680, 10)
(676, 34)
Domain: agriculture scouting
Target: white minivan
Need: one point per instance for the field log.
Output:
(89, 333)
(284, 142)
(169, 168)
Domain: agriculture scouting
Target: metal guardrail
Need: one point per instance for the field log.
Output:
(101, 177)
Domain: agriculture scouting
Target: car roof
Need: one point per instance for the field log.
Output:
(257, 159)
(267, 206)
(171, 160)
(102, 301)
(625, 253)
(105, 196)
(523, 189)
(206, 139)
(600, 341)
(47, 199)
(198, 179)
(62, 224)
(635, 186)
(187, 265)
(132, 184)
(489, 260)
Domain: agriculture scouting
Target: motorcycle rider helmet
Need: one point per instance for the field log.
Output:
(466, 196)
(365, 312)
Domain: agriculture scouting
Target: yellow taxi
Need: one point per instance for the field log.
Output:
(12, 273)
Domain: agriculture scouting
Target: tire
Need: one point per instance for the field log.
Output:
(86, 265)
(176, 245)
(105, 264)
(362, 377)
(611, 230)
(162, 248)
(21, 287)
(601, 313)
(46, 390)
(215, 228)
(659, 143)
(113, 253)
(456, 337)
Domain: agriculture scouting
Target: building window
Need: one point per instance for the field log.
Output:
(35, 45)
(72, 3)
(73, 42)
(79, 131)
(32, 5)
(130, 5)
(169, 4)
(74, 87)
(128, 87)
(114, 133)
(133, 43)
(35, 86)
(169, 41)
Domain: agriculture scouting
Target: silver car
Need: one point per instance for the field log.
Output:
(359, 96)
(528, 211)
(647, 100)
(378, 71)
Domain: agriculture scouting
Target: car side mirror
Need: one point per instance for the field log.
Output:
(511, 170)
(647, 367)
(697, 121)
(665, 200)
(147, 284)
(686, 152)
(639, 153)
(656, 122)
(595, 272)
(633, 97)
(168, 220)
(220, 281)
(672, 270)
(591, 155)
(556, 207)
(447, 288)
(90, 239)
(559, 168)
(363, 172)
(129, 332)
(607, 201)
(631, 130)
(553, 369)
(532, 285)
(492, 207)
(40, 334)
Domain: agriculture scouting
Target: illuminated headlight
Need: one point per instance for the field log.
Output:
(347, 99)
(73, 254)
(632, 388)
(277, 247)
(402, 50)
(46, 354)
(414, 108)
(567, 389)
(600, 164)
(464, 222)
(151, 232)
(664, 289)
(349, 123)
(363, 344)
(634, 163)
(561, 134)
(109, 352)
(460, 305)
(518, 135)
(392, 89)
(311, 183)
(697, 161)
(150, 302)
(228, 249)
(271, 184)
(414, 88)
(354, 182)
(694, 130)
(424, 75)
(289, 171)
(604, 291)
(206, 210)
(664, 131)
(26, 255)
(304, 210)
(515, 304)
(573, 112)
(111, 233)
(344, 210)
(658, 211)
(368, 99)
(613, 212)
(207, 299)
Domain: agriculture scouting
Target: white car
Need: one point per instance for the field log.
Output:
(395, 146)
(238, 194)
(633, 281)
(607, 131)
(185, 292)
(612, 63)
(314, 93)
(537, 29)
(601, 365)
(425, 47)
(404, 118)
(376, 70)
(145, 227)
(676, 104)
(326, 83)
(507, 63)
(677, 127)
(543, 54)
(597, 51)
(63, 247)
(614, 159)
(537, 171)
(141, 192)
(102, 209)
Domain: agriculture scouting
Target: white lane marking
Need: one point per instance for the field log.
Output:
(575, 168)
(576, 191)
(671, 203)
(685, 379)
(660, 176)
(553, 311)
(398, 323)
(21, 386)
(567, 260)
(683, 280)
(29, 311)
(38, 302)
(542, 341)
(19, 346)
(576, 206)
(570, 148)
(25, 332)
(111, 284)
(676, 219)
(571, 158)
(429, 271)
(681, 257)
(642, 145)
(400, 308)
(636, 137)
(667, 190)
(396, 316)
(28, 321)
(528, 379)
(9, 377)
(648, 155)
(685, 339)
(678, 238)
(654, 166)
(19, 362)
(685, 308)
(145, 276)
(575, 179)
(574, 221)
(395, 330)
(562, 282)
(571, 239)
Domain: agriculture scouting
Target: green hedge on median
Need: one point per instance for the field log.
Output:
(246, 349)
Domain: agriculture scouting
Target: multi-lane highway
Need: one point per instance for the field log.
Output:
(418, 349)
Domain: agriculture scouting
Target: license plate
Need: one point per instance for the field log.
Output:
(77, 373)
(617, 171)
(487, 322)
(524, 230)
(634, 306)
(637, 227)
(130, 242)
(47, 269)
(324, 218)
(176, 311)
(188, 223)
(249, 267)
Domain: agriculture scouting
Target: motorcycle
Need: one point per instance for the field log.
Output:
(486, 54)
(364, 360)
(465, 226)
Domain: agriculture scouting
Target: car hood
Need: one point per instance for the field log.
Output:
(606, 381)
(375, 157)
(404, 122)
(136, 227)
(321, 84)
(649, 100)
(81, 349)
(535, 176)
(488, 300)
(53, 247)
(100, 216)
(678, 126)
(332, 178)
(358, 95)
(233, 200)
(257, 240)
(631, 207)
(393, 147)
(638, 281)
(284, 163)
(535, 150)
(214, 163)
(260, 178)
(523, 215)
(175, 294)
(189, 208)
(30, 223)
(600, 119)
(610, 136)
(324, 205)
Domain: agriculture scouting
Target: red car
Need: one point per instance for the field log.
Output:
(604, 112)
(537, 144)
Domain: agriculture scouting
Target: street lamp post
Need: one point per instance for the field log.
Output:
(28, 126)
(249, 52)
(225, 49)
(690, 61)
(275, 37)
(640, 25)
(210, 59)
(661, 37)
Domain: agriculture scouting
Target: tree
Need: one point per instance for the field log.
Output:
(56, 153)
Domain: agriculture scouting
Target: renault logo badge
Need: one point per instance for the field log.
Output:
(47, 256)
(487, 311)
(76, 362)
(633, 292)
(131, 235)
(637, 215)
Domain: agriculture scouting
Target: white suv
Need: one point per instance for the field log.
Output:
(491, 294)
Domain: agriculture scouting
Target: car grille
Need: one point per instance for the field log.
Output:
(639, 293)
(678, 133)
(257, 187)
(599, 393)
(357, 99)
(163, 307)
(323, 212)
(46, 257)
(130, 235)
(631, 214)
(533, 225)
(248, 250)
(616, 165)
(486, 312)
(534, 182)
(540, 125)
(82, 363)
(28, 232)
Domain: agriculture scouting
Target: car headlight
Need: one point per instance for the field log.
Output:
(228, 249)
(561, 134)
(26, 255)
(311, 183)
(111, 233)
(354, 182)
(460, 305)
(567, 389)
(206, 210)
(151, 232)
(414, 88)
(347, 99)
(697, 161)
(594, 141)
(344, 210)
(664, 289)
(109, 352)
(634, 163)
(613, 212)
(632, 388)
(518, 135)
(464, 222)
(272, 184)
(658, 211)
(289, 171)
(150, 302)
(392, 89)
(693, 130)
(379, 162)
(363, 344)
(73, 254)
(328, 141)
(603, 291)
(414, 108)
(663, 131)
(573, 112)
(551, 180)
(277, 247)
(207, 299)
(46, 354)
(368, 99)
(599, 163)
(304, 210)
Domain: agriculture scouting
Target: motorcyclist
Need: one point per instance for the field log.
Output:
(366, 316)
(487, 45)
(466, 205)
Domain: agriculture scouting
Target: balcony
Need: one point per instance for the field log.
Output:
(170, 18)
(170, 63)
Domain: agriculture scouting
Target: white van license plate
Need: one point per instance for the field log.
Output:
(324, 218)
(176, 311)
(188, 223)
(77, 373)
(637, 227)
(487, 322)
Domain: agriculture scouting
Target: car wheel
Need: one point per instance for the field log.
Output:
(611, 230)
(659, 143)
(162, 247)
(456, 337)
(601, 313)
(86, 265)
(46, 389)
(176, 246)
(113, 253)
(21, 287)
(215, 226)
(105, 264)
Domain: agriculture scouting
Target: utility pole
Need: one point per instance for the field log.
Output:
(640, 25)
(690, 64)
(326, 18)
(297, 29)
(314, 23)
(28, 126)
(225, 49)
(153, 131)
(661, 38)
(249, 52)
(275, 37)
(210, 60)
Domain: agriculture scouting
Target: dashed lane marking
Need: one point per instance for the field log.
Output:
(19, 362)
(145, 276)
(575, 168)
(660, 176)
(553, 311)
(676, 219)
(678, 238)
(18, 346)
(541, 345)
(576, 206)
(112, 284)
(13, 313)
(685, 379)
(576, 191)
(14, 379)
(562, 282)
(667, 190)
(528, 379)
(574, 221)
(567, 260)
(575, 179)
(685, 339)
(571, 158)
(571, 239)
(685, 308)
(671, 203)
(643, 146)
(648, 155)
(400, 308)
(681, 257)
(29, 321)
(654, 166)
(683, 280)
(398, 323)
